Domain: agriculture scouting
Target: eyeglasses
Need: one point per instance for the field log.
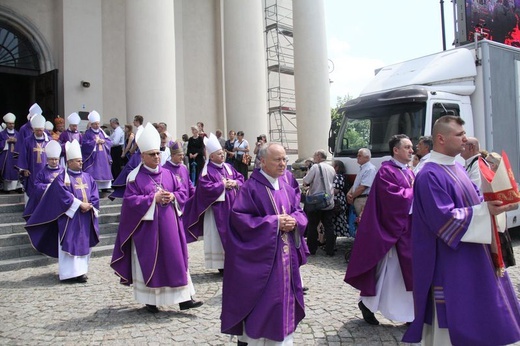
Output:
(154, 154)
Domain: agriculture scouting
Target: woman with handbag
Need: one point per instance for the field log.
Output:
(242, 157)
(319, 204)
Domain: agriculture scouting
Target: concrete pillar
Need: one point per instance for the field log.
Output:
(311, 76)
(150, 61)
(245, 68)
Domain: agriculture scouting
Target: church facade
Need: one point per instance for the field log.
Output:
(175, 61)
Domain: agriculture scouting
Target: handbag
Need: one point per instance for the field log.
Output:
(246, 159)
(319, 200)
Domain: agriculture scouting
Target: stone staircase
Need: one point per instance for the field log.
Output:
(16, 250)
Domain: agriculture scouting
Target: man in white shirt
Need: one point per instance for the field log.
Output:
(422, 150)
(357, 196)
(118, 141)
(316, 179)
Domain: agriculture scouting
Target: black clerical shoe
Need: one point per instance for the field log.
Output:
(190, 304)
(152, 308)
(221, 272)
(368, 315)
(81, 279)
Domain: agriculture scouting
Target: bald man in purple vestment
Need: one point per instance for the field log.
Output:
(380, 263)
(262, 297)
(460, 298)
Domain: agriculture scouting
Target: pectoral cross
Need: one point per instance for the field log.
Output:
(82, 186)
(100, 148)
(38, 150)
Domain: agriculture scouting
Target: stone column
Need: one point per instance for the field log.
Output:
(150, 61)
(311, 76)
(245, 68)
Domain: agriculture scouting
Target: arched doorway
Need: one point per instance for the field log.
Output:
(21, 79)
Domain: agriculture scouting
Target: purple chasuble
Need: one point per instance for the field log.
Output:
(160, 243)
(385, 223)
(183, 177)
(69, 136)
(262, 286)
(41, 181)
(49, 221)
(7, 156)
(96, 157)
(209, 189)
(476, 306)
(119, 184)
(32, 157)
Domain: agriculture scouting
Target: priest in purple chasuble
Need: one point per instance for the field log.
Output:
(26, 129)
(207, 213)
(176, 165)
(32, 158)
(65, 222)
(96, 153)
(460, 298)
(45, 177)
(70, 134)
(380, 264)
(150, 250)
(8, 138)
(262, 296)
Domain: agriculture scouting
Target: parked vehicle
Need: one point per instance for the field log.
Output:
(478, 82)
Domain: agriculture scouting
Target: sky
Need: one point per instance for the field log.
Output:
(363, 35)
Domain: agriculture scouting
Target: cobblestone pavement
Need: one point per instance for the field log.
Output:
(36, 309)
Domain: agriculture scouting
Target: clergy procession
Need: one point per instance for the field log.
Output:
(430, 247)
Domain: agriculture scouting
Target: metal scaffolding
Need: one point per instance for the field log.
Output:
(280, 71)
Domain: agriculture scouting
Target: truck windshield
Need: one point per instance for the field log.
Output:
(372, 127)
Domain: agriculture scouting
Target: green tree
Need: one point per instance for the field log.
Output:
(335, 115)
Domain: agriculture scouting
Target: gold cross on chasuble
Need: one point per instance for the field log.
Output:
(38, 150)
(82, 186)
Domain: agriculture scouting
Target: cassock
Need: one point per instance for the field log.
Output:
(384, 240)
(119, 184)
(41, 183)
(455, 282)
(183, 176)
(32, 157)
(262, 291)
(96, 157)
(207, 213)
(58, 228)
(150, 250)
(8, 172)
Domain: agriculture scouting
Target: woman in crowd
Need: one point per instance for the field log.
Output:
(241, 148)
(195, 154)
(129, 139)
(340, 220)
(228, 147)
(260, 140)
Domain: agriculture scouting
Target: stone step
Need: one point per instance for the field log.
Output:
(106, 213)
(23, 250)
(22, 238)
(11, 199)
(42, 260)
